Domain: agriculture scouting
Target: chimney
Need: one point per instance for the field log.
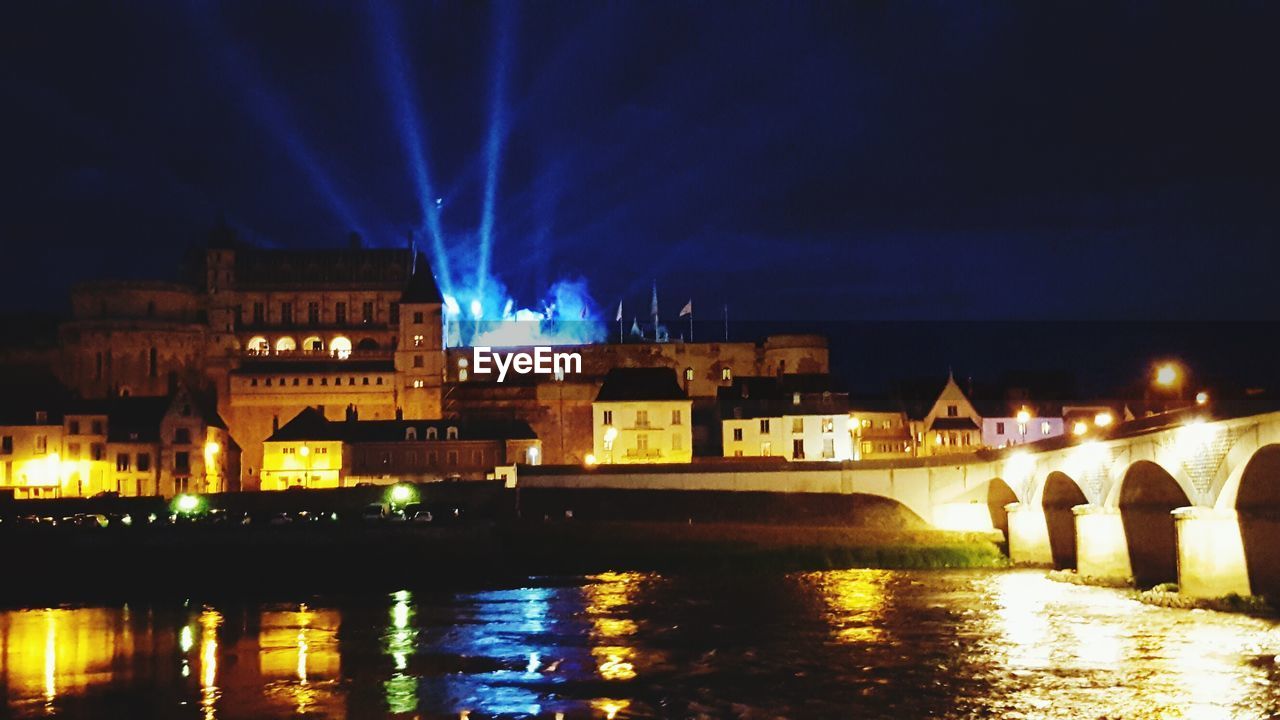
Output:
(399, 414)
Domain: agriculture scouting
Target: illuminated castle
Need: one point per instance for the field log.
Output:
(271, 333)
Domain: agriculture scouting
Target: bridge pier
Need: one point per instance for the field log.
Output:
(1211, 559)
(1028, 535)
(1102, 551)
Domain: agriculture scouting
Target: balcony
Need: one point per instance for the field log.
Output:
(642, 454)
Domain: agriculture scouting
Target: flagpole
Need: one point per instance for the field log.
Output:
(726, 322)
(690, 324)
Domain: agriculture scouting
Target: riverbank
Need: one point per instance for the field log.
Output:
(64, 564)
(1167, 596)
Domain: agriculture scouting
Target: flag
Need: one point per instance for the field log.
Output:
(619, 317)
(687, 309)
(635, 327)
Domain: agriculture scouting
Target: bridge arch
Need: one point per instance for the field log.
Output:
(1148, 495)
(1257, 502)
(1059, 495)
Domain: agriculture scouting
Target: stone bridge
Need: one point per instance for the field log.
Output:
(1188, 497)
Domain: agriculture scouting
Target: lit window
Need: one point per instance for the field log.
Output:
(688, 373)
(726, 373)
(766, 449)
(797, 425)
(1044, 427)
(828, 448)
(419, 340)
(419, 383)
(828, 424)
(462, 375)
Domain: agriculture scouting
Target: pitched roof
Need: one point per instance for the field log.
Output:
(311, 424)
(422, 286)
(638, 384)
(752, 397)
(954, 423)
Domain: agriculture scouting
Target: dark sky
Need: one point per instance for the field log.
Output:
(948, 160)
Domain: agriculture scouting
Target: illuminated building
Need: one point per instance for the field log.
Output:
(641, 415)
(797, 417)
(314, 452)
(952, 425)
(880, 429)
(269, 333)
(128, 445)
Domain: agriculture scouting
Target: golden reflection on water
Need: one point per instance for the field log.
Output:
(612, 637)
(209, 693)
(53, 652)
(297, 649)
(609, 707)
(855, 602)
(1070, 651)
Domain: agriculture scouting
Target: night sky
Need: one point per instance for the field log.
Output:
(888, 160)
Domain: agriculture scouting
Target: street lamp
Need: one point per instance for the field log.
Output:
(1202, 398)
(610, 434)
(1167, 375)
(1024, 417)
(1103, 419)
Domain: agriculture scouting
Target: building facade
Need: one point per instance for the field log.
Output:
(797, 417)
(641, 415)
(311, 451)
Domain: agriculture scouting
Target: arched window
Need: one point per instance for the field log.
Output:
(340, 347)
(451, 433)
(286, 344)
(411, 433)
(367, 344)
(431, 433)
(313, 344)
(258, 345)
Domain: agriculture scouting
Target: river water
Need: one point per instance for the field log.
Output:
(843, 643)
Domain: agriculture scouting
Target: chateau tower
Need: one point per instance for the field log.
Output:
(419, 356)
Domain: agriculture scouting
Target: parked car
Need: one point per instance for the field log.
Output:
(374, 512)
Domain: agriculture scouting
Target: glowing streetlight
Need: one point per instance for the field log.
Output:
(1080, 427)
(401, 494)
(610, 434)
(1202, 398)
(186, 504)
(1024, 416)
(304, 451)
(589, 460)
(1103, 419)
(1167, 375)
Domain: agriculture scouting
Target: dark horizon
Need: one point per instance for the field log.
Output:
(862, 161)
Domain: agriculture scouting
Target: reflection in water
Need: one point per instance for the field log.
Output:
(856, 599)
(209, 622)
(828, 644)
(607, 595)
(402, 688)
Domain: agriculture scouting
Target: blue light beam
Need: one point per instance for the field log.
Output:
(391, 61)
(497, 132)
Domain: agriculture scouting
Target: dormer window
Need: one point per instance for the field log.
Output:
(451, 433)
(431, 433)
(795, 398)
(411, 433)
